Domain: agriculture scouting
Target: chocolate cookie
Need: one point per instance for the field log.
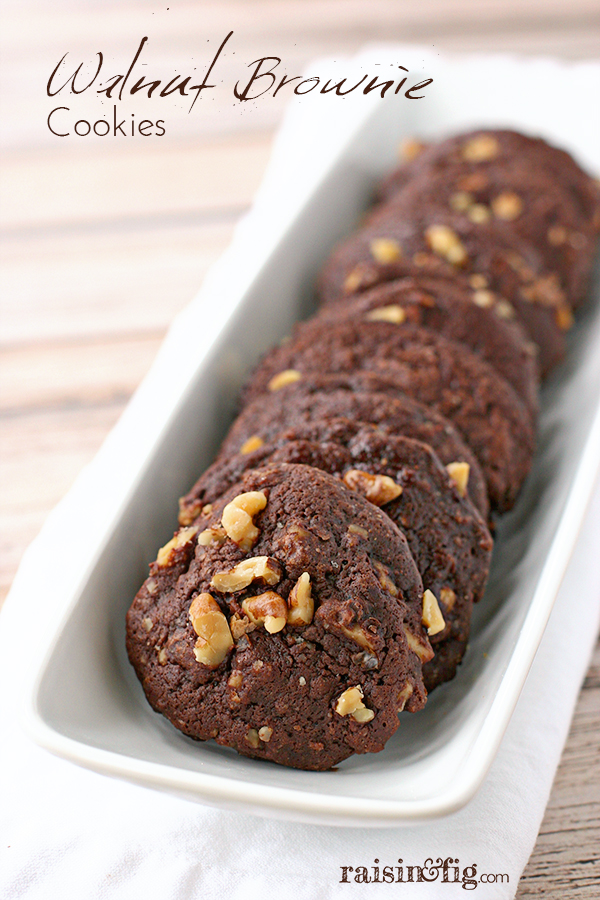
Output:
(501, 150)
(475, 318)
(319, 398)
(286, 623)
(529, 205)
(447, 537)
(486, 251)
(427, 367)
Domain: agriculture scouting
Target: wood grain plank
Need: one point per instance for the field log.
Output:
(117, 278)
(70, 375)
(46, 189)
(566, 860)
(42, 454)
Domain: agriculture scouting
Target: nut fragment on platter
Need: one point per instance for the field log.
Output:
(268, 609)
(165, 555)
(446, 243)
(301, 603)
(247, 571)
(350, 703)
(238, 515)
(378, 489)
(385, 250)
(392, 313)
(481, 148)
(288, 376)
(214, 637)
(459, 473)
(433, 619)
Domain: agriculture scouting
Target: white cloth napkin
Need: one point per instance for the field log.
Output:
(67, 832)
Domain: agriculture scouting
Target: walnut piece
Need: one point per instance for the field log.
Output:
(247, 571)
(557, 235)
(301, 603)
(353, 280)
(354, 528)
(214, 637)
(240, 625)
(188, 514)
(392, 313)
(379, 489)
(385, 250)
(253, 739)
(404, 696)
(358, 636)
(288, 376)
(214, 535)
(268, 609)
(507, 206)
(235, 679)
(483, 298)
(433, 619)
(477, 281)
(384, 579)
(264, 734)
(564, 318)
(459, 473)
(479, 213)
(461, 200)
(166, 554)
(238, 515)
(409, 149)
(448, 597)
(446, 243)
(350, 703)
(417, 645)
(481, 148)
(504, 309)
(253, 443)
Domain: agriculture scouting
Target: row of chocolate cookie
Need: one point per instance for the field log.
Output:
(290, 617)
(514, 216)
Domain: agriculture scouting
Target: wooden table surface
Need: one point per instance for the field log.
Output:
(105, 240)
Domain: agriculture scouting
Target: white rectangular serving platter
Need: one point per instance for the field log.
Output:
(84, 702)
